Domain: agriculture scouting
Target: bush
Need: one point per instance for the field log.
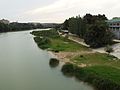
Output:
(105, 84)
(43, 43)
(101, 83)
(48, 33)
(68, 69)
(54, 62)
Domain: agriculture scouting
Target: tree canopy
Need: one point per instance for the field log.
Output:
(18, 26)
(92, 28)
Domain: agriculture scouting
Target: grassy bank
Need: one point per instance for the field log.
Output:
(101, 70)
(101, 77)
(52, 41)
(106, 72)
(95, 59)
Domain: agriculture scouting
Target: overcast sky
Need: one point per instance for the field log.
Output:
(55, 10)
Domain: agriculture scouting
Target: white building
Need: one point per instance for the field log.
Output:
(114, 26)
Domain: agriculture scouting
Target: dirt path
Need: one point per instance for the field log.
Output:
(116, 47)
(78, 40)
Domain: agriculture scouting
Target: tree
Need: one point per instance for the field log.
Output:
(72, 25)
(98, 35)
(77, 26)
(92, 28)
(88, 18)
(65, 25)
(4, 27)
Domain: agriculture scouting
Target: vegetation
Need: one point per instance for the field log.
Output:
(92, 28)
(102, 77)
(54, 62)
(94, 59)
(62, 44)
(75, 25)
(18, 26)
(107, 72)
(68, 69)
(42, 42)
(101, 70)
(98, 35)
(48, 33)
(51, 40)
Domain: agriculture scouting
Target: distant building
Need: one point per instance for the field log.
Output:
(114, 26)
(4, 21)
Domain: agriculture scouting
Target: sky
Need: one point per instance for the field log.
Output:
(55, 11)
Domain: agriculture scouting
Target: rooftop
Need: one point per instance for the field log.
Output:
(116, 19)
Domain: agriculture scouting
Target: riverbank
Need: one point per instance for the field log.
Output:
(24, 66)
(83, 57)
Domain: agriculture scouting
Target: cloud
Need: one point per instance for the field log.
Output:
(62, 9)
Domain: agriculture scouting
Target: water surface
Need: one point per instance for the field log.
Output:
(23, 66)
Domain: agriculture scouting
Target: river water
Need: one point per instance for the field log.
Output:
(23, 66)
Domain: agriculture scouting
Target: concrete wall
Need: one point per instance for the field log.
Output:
(116, 33)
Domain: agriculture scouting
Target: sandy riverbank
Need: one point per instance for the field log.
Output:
(66, 56)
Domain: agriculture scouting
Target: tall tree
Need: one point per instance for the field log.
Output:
(98, 35)
(65, 25)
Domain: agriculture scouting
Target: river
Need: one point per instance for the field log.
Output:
(23, 66)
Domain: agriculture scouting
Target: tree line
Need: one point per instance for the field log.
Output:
(92, 28)
(18, 26)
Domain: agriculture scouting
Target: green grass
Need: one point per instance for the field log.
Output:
(106, 72)
(62, 44)
(57, 43)
(101, 77)
(102, 65)
(47, 33)
(97, 59)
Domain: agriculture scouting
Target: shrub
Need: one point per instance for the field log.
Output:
(48, 33)
(68, 69)
(54, 62)
(43, 43)
(101, 83)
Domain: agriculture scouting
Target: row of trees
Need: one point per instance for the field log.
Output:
(18, 26)
(92, 28)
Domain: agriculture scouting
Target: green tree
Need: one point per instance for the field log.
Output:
(98, 35)
(65, 25)
(77, 26)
